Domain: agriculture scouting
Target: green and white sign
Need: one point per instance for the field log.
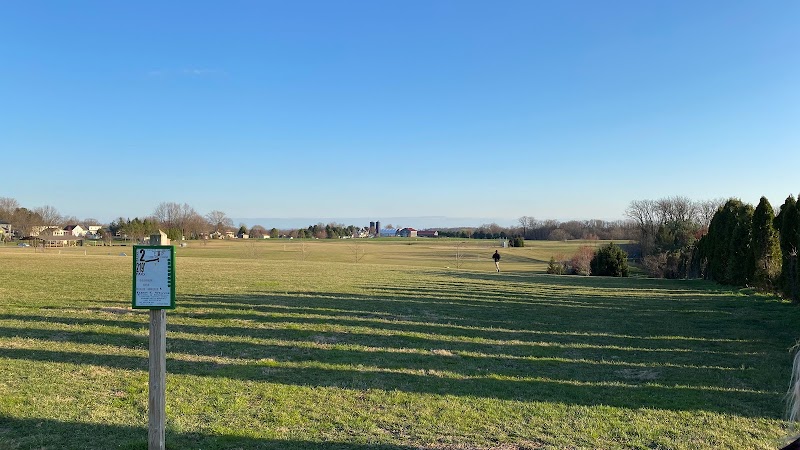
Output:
(153, 277)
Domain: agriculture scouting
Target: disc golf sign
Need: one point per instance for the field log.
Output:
(153, 277)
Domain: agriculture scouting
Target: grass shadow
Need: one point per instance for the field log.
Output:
(47, 433)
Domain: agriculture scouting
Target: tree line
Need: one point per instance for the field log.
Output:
(529, 228)
(177, 220)
(748, 246)
(727, 241)
(668, 230)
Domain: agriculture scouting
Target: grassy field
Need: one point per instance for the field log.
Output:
(391, 345)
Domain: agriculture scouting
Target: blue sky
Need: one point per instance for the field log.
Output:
(556, 110)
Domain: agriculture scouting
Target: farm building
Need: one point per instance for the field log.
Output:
(407, 232)
(428, 233)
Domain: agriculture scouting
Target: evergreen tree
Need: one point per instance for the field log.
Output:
(765, 244)
(554, 267)
(741, 265)
(727, 245)
(714, 244)
(610, 260)
(788, 223)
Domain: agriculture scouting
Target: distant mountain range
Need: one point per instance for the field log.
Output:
(419, 223)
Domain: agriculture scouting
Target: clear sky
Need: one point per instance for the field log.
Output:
(557, 110)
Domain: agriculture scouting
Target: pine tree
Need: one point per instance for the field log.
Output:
(741, 265)
(727, 245)
(610, 261)
(765, 244)
(788, 223)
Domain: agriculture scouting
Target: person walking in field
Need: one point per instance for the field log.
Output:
(496, 258)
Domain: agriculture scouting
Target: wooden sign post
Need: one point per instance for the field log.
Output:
(154, 289)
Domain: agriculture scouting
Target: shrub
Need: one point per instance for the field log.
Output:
(655, 265)
(555, 267)
(610, 260)
(581, 261)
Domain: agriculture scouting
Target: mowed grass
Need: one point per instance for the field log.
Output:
(288, 344)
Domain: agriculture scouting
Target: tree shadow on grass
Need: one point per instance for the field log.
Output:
(47, 433)
(633, 395)
(681, 287)
(529, 350)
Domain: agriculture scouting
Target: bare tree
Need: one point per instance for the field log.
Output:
(176, 216)
(7, 207)
(643, 213)
(527, 224)
(49, 215)
(24, 220)
(582, 260)
(706, 210)
(107, 235)
(559, 235)
(195, 225)
(676, 209)
(258, 232)
(219, 221)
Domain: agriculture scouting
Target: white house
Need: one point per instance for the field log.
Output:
(52, 231)
(75, 230)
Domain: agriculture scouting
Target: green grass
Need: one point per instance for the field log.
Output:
(285, 344)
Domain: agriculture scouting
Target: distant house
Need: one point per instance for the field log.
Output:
(5, 229)
(428, 233)
(52, 231)
(75, 230)
(243, 236)
(230, 235)
(407, 232)
(94, 229)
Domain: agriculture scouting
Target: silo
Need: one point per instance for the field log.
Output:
(378, 228)
(372, 228)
